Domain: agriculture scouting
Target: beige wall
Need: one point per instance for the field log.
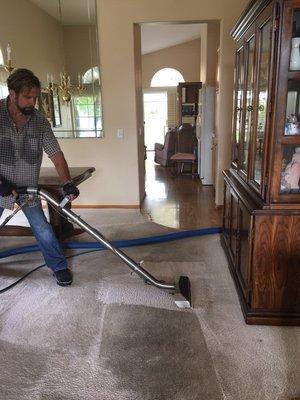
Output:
(116, 19)
(34, 36)
(139, 110)
(41, 44)
(210, 42)
(80, 48)
(212, 45)
(37, 43)
(119, 179)
(213, 39)
(203, 53)
(184, 57)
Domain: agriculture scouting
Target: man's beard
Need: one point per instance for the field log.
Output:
(26, 110)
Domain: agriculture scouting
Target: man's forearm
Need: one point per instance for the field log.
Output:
(61, 167)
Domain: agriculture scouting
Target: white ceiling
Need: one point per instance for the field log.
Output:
(73, 12)
(160, 36)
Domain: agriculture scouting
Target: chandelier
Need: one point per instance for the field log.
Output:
(65, 87)
(8, 65)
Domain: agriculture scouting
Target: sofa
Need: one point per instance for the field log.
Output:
(163, 152)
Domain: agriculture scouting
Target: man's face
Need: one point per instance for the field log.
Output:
(25, 100)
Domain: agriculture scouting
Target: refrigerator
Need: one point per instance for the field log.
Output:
(205, 125)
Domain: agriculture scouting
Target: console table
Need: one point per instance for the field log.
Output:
(50, 181)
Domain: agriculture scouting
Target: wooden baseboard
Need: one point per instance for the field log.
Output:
(127, 206)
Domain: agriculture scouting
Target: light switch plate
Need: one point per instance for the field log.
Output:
(120, 133)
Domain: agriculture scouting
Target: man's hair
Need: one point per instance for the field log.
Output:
(22, 79)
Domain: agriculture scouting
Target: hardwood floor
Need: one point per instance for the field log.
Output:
(180, 202)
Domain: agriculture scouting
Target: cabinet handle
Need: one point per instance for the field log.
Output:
(250, 108)
(261, 108)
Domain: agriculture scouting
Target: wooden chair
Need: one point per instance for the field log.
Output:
(179, 160)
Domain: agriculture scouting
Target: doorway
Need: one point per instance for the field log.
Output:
(155, 117)
(180, 203)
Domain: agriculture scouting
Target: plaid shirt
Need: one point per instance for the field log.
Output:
(21, 152)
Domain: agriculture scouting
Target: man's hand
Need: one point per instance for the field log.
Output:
(70, 190)
(6, 188)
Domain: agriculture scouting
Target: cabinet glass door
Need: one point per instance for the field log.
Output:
(249, 102)
(292, 124)
(237, 128)
(290, 164)
(262, 98)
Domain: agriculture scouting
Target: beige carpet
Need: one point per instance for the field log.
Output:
(110, 336)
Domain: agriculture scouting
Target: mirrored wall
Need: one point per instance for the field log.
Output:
(58, 41)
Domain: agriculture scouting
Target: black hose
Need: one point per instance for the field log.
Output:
(37, 268)
(96, 246)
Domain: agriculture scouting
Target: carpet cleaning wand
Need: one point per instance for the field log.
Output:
(181, 288)
(16, 210)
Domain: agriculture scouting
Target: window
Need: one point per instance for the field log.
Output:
(87, 116)
(3, 91)
(92, 75)
(87, 106)
(166, 77)
(1, 57)
(3, 77)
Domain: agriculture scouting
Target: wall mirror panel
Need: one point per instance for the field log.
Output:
(58, 41)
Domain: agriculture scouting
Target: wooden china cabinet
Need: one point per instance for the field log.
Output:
(261, 223)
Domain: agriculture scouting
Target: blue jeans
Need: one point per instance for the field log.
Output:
(46, 239)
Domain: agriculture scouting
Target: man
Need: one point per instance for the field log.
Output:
(24, 134)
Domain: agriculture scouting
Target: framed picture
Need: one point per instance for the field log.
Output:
(55, 108)
(49, 105)
(44, 104)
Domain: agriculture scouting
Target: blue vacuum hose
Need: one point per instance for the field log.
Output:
(118, 243)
